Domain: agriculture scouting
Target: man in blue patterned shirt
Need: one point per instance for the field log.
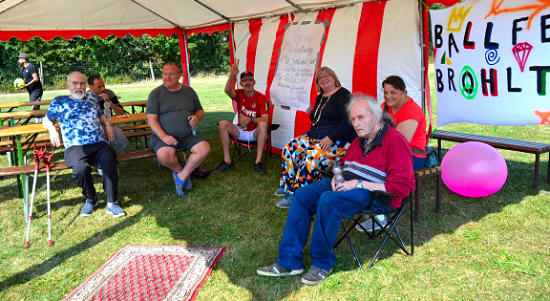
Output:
(85, 144)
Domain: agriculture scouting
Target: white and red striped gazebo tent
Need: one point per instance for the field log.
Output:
(364, 42)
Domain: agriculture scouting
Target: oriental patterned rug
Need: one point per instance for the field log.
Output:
(163, 272)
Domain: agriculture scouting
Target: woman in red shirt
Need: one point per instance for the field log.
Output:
(408, 117)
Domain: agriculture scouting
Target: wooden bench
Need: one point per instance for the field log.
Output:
(130, 131)
(423, 173)
(7, 145)
(536, 148)
(134, 127)
(28, 169)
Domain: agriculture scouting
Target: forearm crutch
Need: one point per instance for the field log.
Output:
(47, 159)
(36, 154)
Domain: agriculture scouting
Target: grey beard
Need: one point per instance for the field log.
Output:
(78, 96)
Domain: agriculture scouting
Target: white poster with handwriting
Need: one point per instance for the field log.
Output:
(297, 63)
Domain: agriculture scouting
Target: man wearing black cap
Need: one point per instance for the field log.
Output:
(253, 118)
(30, 76)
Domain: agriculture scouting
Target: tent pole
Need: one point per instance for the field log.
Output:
(296, 6)
(277, 13)
(184, 55)
(213, 10)
(426, 95)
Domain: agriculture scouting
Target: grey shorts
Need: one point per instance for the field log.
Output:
(185, 143)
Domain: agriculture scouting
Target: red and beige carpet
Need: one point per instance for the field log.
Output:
(149, 273)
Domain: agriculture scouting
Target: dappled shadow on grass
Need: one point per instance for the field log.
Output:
(39, 269)
(236, 209)
(58, 259)
(4, 198)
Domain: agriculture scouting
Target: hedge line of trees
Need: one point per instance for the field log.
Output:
(118, 60)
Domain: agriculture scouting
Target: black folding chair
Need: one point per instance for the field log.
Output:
(388, 231)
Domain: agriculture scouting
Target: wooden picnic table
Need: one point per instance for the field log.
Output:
(12, 105)
(8, 105)
(137, 103)
(134, 104)
(16, 134)
(22, 117)
(37, 128)
(23, 114)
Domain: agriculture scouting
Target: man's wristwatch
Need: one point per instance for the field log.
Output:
(252, 120)
(359, 185)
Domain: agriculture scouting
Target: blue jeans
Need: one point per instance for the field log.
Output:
(418, 163)
(331, 207)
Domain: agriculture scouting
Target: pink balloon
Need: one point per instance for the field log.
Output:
(473, 169)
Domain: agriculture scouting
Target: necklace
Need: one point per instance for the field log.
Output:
(319, 110)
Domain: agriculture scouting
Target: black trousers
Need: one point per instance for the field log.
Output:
(36, 95)
(81, 158)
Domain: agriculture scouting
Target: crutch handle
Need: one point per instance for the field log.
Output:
(47, 158)
(37, 153)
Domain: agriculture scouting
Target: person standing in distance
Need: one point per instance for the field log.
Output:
(31, 78)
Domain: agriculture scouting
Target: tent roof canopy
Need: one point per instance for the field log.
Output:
(25, 19)
(44, 15)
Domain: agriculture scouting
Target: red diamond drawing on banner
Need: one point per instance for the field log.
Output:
(521, 53)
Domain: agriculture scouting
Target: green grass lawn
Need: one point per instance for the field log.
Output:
(491, 248)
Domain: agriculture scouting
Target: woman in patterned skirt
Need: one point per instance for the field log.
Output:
(305, 156)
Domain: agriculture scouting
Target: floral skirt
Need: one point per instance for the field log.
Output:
(303, 161)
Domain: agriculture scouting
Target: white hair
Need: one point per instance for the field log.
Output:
(374, 108)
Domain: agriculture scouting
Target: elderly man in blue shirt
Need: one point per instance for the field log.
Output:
(86, 143)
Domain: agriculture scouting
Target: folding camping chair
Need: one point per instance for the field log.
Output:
(388, 231)
(243, 147)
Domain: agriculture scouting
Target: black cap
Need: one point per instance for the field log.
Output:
(246, 73)
(23, 55)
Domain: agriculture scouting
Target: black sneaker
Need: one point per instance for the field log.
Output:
(259, 168)
(223, 167)
(200, 173)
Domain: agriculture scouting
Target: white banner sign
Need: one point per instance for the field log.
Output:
(297, 63)
(492, 61)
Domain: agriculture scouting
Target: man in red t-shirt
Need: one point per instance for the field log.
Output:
(252, 118)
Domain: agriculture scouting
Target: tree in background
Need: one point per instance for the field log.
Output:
(209, 53)
(115, 59)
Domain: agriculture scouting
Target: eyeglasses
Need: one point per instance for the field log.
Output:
(77, 83)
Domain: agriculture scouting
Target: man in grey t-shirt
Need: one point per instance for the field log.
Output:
(172, 109)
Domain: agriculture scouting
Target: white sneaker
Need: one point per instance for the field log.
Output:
(368, 224)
